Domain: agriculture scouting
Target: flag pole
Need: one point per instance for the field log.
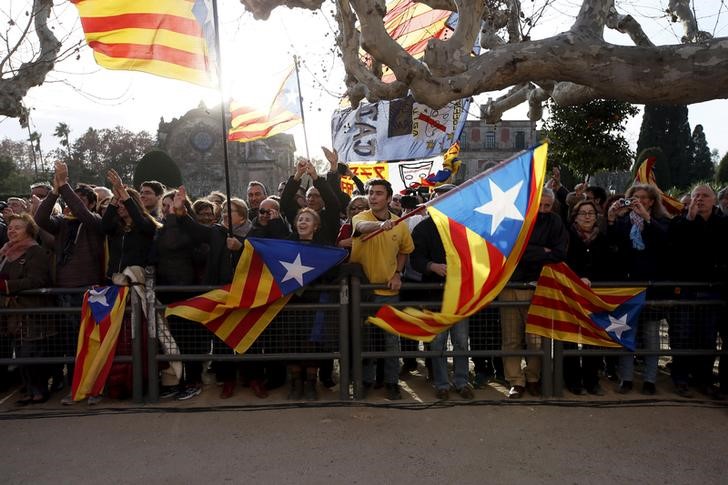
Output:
(218, 68)
(300, 105)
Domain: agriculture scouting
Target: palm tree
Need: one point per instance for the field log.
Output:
(62, 132)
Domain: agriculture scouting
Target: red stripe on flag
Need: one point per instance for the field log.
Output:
(459, 237)
(244, 326)
(559, 305)
(403, 327)
(432, 122)
(561, 326)
(252, 281)
(149, 52)
(152, 21)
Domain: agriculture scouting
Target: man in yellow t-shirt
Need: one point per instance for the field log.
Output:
(383, 258)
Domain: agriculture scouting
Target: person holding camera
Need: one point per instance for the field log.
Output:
(638, 226)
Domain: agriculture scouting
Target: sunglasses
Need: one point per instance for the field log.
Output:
(265, 212)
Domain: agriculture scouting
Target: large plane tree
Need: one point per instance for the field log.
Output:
(569, 67)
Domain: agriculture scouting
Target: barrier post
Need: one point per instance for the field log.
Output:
(152, 366)
(344, 351)
(547, 368)
(355, 329)
(137, 364)
(558, 379)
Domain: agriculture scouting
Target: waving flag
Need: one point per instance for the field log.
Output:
(102, 314)
(170, 38)
(412, 25)
(268, 272)
(646, 175)
(564, 308)
(485, 225)
(284, 113)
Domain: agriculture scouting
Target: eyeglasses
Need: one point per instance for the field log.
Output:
(586, 214)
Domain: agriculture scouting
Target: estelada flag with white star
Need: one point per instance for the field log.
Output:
(564, 308)
(268, 272)
(102, 314)
(485, 225)
(250, 123)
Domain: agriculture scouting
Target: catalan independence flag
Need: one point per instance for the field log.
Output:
(413, 24)
(564, 308)
(268, 272)
(646, 175)
(169, 38)
(485, 225)
(102, 314)
(284, 112)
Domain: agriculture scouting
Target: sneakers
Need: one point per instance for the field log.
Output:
(94, 400)
(168, 392)
(648, 388)
(516, 392)
(393, 392)
(188, 393)
(466, 393)
(625, 387)
(68, 400)
(442, 394)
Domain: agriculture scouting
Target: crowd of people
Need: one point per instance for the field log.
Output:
(75, 236)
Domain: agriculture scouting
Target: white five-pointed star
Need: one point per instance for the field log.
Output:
(98, 296)
(502, 205)
(295, 270)
(618, 326)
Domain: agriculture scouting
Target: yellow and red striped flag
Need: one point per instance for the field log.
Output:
(284, 112)
(267, 273)
(485, 225)
(564, 308)
(169, 38)
(412, 25)
(646, 175)
(102, 314)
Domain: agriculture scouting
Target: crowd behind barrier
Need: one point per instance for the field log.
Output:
(65, 238)
(140, 362)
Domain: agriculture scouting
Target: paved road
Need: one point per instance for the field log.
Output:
(482, 442)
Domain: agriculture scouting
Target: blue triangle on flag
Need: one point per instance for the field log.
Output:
(474, 207)
(621, 324)
(101, 300)
(295, 264)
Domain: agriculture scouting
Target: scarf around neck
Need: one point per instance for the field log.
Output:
(12, 251)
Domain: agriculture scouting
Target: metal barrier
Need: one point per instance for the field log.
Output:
(56, 347)
(327, 322)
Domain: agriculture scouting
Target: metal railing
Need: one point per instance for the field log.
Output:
(341, 316)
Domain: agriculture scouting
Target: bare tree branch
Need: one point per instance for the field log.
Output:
(680, 10)
(31, 73)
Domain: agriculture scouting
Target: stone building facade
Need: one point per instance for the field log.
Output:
(194, 142)
(483, 145)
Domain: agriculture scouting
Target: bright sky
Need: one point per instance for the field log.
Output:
(255, 56)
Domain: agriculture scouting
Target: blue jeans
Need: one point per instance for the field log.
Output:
(651, 341)
(375, 337)
(459, 337)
